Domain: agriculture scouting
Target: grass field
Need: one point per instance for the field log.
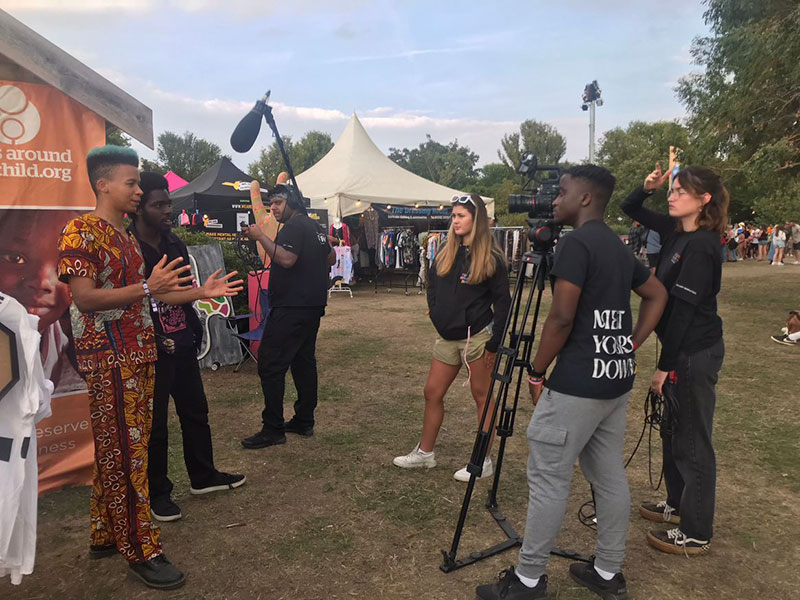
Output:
(330, 517)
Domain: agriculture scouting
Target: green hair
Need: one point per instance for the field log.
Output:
(101, 161)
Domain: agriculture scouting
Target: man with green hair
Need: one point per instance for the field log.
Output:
(115, 348)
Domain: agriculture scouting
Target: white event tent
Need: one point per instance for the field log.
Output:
(355, 173)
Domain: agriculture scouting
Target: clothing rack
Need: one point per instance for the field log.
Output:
(384, 272)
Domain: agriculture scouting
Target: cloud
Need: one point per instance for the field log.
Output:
(346, 31)
(241, 7)
(403, 54)
(684, 57)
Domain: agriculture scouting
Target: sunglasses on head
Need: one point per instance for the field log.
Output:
(463, 199)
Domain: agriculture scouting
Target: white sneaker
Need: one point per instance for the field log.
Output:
(488, 471)
(414, 460)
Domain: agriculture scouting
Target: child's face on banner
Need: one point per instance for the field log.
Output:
(28, 260)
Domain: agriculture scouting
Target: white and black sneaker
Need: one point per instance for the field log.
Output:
(165, 510)
(219, 483)
(660, 513)
(783, 339)
(674, 541)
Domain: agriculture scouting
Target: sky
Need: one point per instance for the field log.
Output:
(467, 70)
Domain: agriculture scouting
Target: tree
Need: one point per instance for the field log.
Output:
(310, 149)
(542, 139)
(154, 166)
(631, 153)
(270, 163)
(497, 181)
(744, 104)
(303, 155)
(450, 164)
(115, 136)
(186, 155)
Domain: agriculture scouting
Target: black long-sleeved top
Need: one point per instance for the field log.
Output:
(456, 305)
(690, 267)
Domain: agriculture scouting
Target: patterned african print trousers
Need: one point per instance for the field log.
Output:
(121, 406)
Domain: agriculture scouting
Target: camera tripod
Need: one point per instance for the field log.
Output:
(514, 357)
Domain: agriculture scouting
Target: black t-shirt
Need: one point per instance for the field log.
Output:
(178, 328)
(691, 270)
(305, 284)
(598, 360)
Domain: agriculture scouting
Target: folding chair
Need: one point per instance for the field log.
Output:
(254, 335)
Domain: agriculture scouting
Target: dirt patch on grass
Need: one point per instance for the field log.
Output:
(330, 517)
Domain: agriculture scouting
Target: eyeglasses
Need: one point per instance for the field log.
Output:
(462, 199)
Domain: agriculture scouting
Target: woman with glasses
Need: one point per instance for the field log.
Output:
(690, 330)
(468, 301)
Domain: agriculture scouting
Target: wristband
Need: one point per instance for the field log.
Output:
(536, 380)
(534, 373)
(147, 293)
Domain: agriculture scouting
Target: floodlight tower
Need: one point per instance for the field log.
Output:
(591, 98)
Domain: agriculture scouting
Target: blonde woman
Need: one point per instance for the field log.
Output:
(468, 300)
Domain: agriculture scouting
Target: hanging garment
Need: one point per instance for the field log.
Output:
(343, 267)
(23, 405)
(422, 279)
(517, 250)
(388, 258)
(370, 222)
(183, 220)
(407, 244)
(340, 233)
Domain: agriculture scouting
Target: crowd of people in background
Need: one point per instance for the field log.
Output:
(740, 241)
(772, 243)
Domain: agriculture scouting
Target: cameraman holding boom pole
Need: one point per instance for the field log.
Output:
(298, 293)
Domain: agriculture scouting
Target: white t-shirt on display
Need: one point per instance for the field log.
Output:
(22, 405)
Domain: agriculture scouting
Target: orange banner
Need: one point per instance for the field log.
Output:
(44, 139)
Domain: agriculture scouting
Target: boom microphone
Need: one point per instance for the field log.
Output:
(246, 132)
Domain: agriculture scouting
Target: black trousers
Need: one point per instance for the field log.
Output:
(289, 342)
(690, 467)
(179, 377)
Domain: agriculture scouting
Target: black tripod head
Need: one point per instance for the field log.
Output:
(543, 234)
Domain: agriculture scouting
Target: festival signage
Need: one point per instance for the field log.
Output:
(44, 139)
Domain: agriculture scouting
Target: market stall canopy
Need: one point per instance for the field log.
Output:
(356, 173)
(222, 187)
(174, 181)
(217, 202)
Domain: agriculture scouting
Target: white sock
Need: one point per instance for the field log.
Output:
(794, 336)
(604, 574)
(421, 452)
(527, 581)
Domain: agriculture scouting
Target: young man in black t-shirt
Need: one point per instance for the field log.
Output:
(298, 292)
(178, 336)
(582, 413)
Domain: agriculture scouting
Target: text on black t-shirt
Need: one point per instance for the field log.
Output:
(597, 360)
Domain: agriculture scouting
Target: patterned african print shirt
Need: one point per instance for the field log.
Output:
(106, 339)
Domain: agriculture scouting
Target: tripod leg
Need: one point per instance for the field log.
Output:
(502, 373)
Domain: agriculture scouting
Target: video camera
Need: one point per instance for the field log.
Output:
(538, 202)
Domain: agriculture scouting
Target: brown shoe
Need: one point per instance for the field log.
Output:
(674, 541)
(660, 513)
